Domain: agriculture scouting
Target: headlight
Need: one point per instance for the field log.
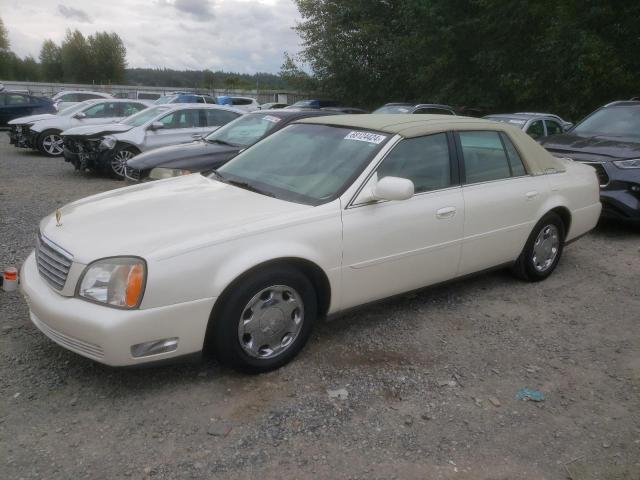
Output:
(160, 173)
(108, 143)
(118, 282)
(633, 163)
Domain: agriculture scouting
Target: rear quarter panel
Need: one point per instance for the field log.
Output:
(576, 189)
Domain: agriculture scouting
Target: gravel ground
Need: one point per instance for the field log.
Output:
(430, 379)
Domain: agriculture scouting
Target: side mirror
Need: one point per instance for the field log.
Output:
(156, 126)
(393, 188)
(80, 115)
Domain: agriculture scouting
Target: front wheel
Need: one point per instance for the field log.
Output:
(264, 321)
(119, 159)
(50, 143)
(543, 249)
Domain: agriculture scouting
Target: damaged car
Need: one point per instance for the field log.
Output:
(107, 148)
(43, 133)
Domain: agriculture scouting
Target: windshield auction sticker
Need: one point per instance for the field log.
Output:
(366, 137)
(271, 118)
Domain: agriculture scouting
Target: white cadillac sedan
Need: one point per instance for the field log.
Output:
(327, 214)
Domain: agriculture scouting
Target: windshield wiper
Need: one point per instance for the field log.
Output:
(222, 142)
(251, 188)
(216, 174)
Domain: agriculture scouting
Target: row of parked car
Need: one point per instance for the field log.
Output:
(177, 135)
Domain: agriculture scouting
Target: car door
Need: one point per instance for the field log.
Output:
(179, 126)
(396, 246)
(126, 109)
(14, 105)
(536, 130)
(216, 118)
(501, 200)
(552, 127)
(99, 113)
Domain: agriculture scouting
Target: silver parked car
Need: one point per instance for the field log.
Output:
(536, 125)
(42, 132)
(107, 147)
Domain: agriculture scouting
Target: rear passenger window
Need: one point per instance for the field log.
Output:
(484, 157)
(217, 118)
(536, 130)
(517, 167)
(423, 160)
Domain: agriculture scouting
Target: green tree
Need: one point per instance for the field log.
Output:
(568, 57)
(77, 64)
(295, 77)
(51, 62)
(109, 56)
(5, 53)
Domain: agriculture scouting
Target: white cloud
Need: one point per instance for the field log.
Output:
(233, 35)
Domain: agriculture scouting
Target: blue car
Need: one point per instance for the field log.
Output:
(16, 105)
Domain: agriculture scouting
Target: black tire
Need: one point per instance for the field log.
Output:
(45, 146)
(525, 266)
(222, 338)
(116, 167)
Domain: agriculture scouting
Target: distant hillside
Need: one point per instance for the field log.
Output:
(205, 79)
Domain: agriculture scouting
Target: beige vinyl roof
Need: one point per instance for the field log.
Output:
(537, 160)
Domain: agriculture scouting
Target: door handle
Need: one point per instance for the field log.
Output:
(445, 212)
(531, 195)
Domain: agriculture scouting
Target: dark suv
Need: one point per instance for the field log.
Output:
(609, 140)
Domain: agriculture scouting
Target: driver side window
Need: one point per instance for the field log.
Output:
(423, 160)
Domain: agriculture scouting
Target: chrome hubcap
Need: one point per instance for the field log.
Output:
(545, 248)
(119, 161)
(271, 321)
(53, 144)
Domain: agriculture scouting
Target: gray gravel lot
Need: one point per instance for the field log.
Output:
(431, 378)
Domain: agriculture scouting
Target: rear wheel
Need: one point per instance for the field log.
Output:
(264, 321)
(50, 143)
(119, 159)
(543, 249)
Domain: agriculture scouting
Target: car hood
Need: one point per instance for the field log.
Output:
(102, 129)
(164, 218)
(592, 148)
(31, 118)
(194, 156)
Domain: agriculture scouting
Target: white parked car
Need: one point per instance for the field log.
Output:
(327, 214)
(44, 133)
(245, 103)
(107, 147)
(67, 98)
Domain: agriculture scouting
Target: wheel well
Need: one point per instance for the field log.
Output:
(565, 216)
(124, 145)
(313, 272)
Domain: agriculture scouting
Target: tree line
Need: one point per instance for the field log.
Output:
(101, 59)
(567, 57)
(98, 58)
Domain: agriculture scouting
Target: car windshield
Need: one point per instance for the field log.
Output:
(309, 164)
(144, 116)
(616, 122)
(394, 109)
(244, 131)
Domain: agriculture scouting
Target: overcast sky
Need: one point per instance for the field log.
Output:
(234, 35)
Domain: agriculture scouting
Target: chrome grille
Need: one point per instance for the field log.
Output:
(53, 262)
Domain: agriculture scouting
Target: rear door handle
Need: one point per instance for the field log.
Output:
(445, 212)
(531, 195)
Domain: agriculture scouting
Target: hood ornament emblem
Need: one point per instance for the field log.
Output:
(58, 217)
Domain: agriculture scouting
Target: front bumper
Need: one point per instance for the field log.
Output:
(106, 334)
(20, 136)
(92, 160)
(620, 196)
